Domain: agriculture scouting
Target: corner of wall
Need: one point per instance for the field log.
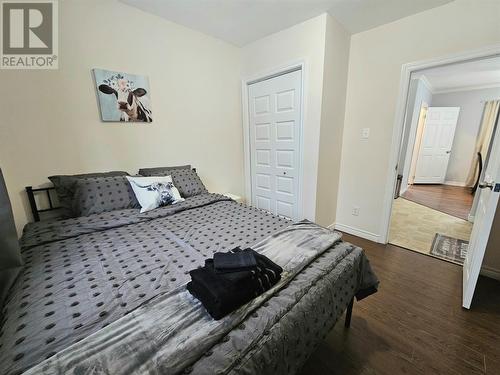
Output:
(336, 57)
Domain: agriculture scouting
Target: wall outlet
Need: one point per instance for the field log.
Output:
(355, 211)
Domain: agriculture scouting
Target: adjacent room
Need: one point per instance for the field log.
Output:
(249, 187)
(451, 114)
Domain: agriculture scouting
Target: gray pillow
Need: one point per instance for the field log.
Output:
(186, 181)
(161, 171)
(66, 184)
(10, 256)
(94, 195)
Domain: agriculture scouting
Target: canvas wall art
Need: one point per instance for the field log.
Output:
(123, 97)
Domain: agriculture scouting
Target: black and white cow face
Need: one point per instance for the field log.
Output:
(165, 194)
(128, 102)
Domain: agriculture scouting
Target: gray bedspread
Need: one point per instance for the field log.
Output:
(83, 274)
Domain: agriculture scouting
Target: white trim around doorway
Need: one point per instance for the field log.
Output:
(406, 71)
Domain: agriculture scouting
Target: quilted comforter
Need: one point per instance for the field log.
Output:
(84, 276)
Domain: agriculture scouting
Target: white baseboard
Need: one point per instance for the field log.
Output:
(485, 271)
(470, 218)
(455, 183)
(358, 232)
(490, 272)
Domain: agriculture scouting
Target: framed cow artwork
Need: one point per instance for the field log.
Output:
(123, 97)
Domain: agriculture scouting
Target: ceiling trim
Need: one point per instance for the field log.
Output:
(467, 88)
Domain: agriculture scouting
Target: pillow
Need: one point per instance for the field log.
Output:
(94, 195)
(65, 186)
(154, 192)
(161, 171)
(10, 254)
(186, 180)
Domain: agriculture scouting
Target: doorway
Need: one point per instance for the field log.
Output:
(442, 156)
(274, 142)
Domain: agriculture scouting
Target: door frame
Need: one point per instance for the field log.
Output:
(397, 133)
(262, 76)
(415, 149)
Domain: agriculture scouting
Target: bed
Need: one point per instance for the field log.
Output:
(84, 276)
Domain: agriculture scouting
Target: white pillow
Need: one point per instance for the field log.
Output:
(153, 192)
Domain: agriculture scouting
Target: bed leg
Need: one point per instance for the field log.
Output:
(348, 314)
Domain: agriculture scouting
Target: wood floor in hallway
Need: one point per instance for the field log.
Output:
(452, 200)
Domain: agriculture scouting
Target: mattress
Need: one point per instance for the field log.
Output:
(84, 273)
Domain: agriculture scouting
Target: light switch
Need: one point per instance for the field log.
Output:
(365, 133)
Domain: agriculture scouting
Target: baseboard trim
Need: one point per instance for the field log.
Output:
(331, 226)
(455, 183)
(485, 271)
(490, 272)
(358, 232)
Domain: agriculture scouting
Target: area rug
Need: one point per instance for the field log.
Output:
(449, 248)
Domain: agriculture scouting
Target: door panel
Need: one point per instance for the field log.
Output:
(274, 121)
(285, 130)
(437, 141)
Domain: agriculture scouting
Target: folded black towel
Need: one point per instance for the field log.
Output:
(234, 261)
(222, 293)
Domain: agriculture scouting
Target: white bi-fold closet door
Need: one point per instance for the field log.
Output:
(274, 124)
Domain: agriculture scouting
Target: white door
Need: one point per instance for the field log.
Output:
(274, 119)
(485, 213)
(435, 147)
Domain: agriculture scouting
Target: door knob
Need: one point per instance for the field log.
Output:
(448, 152)
(484, 185)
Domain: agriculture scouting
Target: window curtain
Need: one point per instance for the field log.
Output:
(490, 115)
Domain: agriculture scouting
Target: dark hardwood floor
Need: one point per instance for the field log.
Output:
(452, 200)
(415, 323)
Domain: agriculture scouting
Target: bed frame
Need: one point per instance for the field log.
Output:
(30, 191)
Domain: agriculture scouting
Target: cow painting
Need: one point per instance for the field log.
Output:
(120, 99)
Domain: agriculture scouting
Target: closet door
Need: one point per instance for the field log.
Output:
(274, 121)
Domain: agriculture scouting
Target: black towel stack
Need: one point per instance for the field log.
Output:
(230, 280)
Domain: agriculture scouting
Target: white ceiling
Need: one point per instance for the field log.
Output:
(473, 74)
(361, 15)
(240, 22)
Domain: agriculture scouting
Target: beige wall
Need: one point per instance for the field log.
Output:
(50, 121)
(376, 57)
(337, 43)
(302, 42)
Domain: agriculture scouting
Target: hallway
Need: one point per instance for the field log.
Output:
(414, 226)
(452, 200)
